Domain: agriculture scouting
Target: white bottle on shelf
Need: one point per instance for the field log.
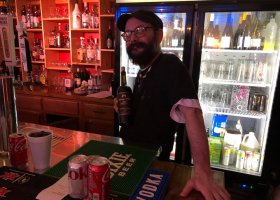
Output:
(76, 14)
(270, 35)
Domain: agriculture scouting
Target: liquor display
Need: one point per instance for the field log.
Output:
(236, 87)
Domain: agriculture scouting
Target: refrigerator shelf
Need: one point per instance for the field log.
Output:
(240, 51)
(220, 110)
(234, 169)
(172, 48)
(226, 82)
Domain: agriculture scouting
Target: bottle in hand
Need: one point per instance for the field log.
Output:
(124, 96)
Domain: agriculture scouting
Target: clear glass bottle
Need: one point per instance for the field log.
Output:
(209, 40)
(36, 17)
(90, 51)
(59, 37)
(85, 16)
(94, 21)
(227, 35)
(76, 14)
(82, 51)
(29, 17)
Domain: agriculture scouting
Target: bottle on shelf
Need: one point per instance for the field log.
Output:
(82, 51)
(209, 41)
(66, 38)
(23, 15)
(90, 51)
(239, 34)
(256, 36)
(36, 17)
(76, 14)
(124, 96)
(59, 37)
(217, 36)
(94, 20)
(109, 39)
(35, 52)
(270, 35)
(77, 78)
(43, 76)
(85, 16)
(227, 35)
(68, 80)
(247, 32)
(29, 16)
(98, 53)
(52, 39)
(41, 51)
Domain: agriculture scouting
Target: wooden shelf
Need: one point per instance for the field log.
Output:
(108, 50)
(110, 71)
(57, 49)
(38, 62)
(87, 64)
(56, 19)
(108, 15)
(85, 30)
(58, 68)
(34, 30)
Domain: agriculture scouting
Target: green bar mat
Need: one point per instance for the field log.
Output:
(128, 164)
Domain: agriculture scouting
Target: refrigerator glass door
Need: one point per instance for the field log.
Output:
(173, 41)
(237, 81)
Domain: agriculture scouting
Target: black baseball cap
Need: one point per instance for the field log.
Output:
(143, 15)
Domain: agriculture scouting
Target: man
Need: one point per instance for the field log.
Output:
(164, 95)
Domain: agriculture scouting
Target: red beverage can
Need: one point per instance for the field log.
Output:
(77, 176)
(98, 178)
(18, 150)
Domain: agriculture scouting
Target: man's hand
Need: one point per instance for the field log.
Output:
(206, 185)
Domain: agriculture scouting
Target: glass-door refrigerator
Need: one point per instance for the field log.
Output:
(236, 70)
(177, 23)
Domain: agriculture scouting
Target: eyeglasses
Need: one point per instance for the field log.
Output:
(138, 32)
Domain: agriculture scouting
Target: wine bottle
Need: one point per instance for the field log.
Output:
(227, 35)
(124, 96)
(85, 16)
(209, 33)
(256, 36)
(23, 15)
(77, 21)
(216, 36)
(247, 32)
(110, 39)
(237, 33)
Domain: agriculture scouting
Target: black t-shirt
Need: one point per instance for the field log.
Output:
(164, 85)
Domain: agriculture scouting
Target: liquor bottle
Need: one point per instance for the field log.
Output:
(36, 17)
(90, 51)
(77, 78)
(52, 39)
(270, 35)
(41, 51)
(76, 14)
(82, 51)
(109, 39)
(216, 36)
(98, 53)
(66, 37)
(256, 36)
(43, 76)
(35, 52)
(68, 80)
(227, 35)
(85, 16)
(29, 16)
(3, 7)
(23, 15)
(209, 40)
(124, 96)
(247, 32)
(59, 37)
(237, 33)
(94, 21)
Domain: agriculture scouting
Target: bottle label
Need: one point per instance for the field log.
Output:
(240, 41)
(256, 43)
(109, 43)
(247, 41)
(210, 42)
(124, 104)
(225, 42)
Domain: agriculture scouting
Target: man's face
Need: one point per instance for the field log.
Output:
(141, 50)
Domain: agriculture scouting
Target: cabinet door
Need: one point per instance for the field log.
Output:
(60, 107)
(102, 127)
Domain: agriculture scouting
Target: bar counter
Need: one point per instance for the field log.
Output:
(67, 141)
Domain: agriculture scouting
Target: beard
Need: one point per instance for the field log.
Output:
(144, 57)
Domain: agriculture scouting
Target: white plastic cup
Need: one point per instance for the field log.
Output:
(39, 142)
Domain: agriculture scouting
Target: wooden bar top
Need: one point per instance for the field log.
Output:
(67, 141)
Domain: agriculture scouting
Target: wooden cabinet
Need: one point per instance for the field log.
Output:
(56, 60)
(29, 108)
(97, 118)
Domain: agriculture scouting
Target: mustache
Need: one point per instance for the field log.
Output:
(137, 45)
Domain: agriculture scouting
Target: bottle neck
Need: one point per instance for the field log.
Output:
(123, 78)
